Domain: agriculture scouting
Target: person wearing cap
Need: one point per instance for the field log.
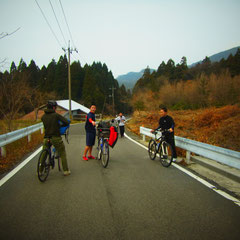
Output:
(50, 121)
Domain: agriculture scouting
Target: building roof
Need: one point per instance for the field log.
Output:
(74, 105)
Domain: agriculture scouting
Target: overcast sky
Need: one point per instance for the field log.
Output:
(127, 35)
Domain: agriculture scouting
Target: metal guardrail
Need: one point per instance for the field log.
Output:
(18, 134)
(222, 155)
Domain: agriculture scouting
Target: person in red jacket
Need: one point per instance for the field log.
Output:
(90, 127)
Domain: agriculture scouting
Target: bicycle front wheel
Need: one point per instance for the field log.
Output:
(166, 154)
(105, 154)
(152, 149)
(43, 166)
(99, 149)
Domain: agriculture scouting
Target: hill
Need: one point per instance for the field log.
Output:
(215, 126)
(130, 78)
(219, 56)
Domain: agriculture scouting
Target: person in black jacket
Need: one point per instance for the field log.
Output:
(90, 127)
(166, 123)
(51, 124)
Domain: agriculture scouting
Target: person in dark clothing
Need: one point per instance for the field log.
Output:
(90, 127)
(166, 123)
(51, 125)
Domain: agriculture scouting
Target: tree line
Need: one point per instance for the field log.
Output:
(181, 87)
(26, 87)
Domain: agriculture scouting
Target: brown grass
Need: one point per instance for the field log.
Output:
(17, 150)
(216, 126)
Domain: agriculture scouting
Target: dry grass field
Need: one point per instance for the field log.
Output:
(216, 126)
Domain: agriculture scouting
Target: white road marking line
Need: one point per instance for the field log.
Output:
(21, 165)
(204, 182)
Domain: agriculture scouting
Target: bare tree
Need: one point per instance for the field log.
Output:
(3, 35)
(14, 92)
(38, 98)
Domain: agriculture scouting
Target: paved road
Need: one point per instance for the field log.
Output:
(134, 198)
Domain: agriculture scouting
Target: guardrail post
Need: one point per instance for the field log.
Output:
(3, 151)
(29, 138)
(144, 138)
(188, 156)
(42, 130)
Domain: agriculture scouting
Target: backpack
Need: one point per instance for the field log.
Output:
(63, 129)
(113, 136)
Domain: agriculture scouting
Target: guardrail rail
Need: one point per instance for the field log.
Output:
(219, 154)
(18, 134)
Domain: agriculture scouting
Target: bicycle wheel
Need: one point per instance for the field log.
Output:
(44, 167)
(99, 149)
(105, 154)
(166, 154)
(152, 149)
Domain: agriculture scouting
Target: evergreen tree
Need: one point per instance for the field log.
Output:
(49, 80)
(77, 78)
(33, 71)
(22, 66)
(61, 78)
(13, 68)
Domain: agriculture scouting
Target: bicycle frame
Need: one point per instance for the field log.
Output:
(103, 154)
(159, 146)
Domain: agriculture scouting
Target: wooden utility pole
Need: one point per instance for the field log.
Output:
(113, 105)
(69, 84)
(69, 79)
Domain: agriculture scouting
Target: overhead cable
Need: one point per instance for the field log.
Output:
(66, 22)
(48, 24)
(57, 22)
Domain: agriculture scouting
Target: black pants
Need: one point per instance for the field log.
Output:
(171, 141)
(121, 130)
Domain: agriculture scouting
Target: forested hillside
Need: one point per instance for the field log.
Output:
(179, 87)
(25, 88)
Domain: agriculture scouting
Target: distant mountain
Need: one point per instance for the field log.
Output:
(130, 78)
(219, 56)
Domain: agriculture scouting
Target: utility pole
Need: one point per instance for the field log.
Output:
(69, 84)
(69, 80)
(112, 88)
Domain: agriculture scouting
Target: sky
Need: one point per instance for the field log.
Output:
(126, 35)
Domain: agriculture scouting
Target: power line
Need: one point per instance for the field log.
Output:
(48, 24)
(81, 57)
(66, 23)
(58, 22)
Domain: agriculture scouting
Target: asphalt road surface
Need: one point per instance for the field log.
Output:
(133, 198)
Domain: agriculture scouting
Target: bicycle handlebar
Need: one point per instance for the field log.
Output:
(161, 131)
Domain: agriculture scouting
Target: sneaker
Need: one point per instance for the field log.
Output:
(174, 160)
(66, 173)
(91, 157)
(85, 158)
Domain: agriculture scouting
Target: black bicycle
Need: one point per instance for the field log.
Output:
(159, 146)
(103, 147)
(47, 160)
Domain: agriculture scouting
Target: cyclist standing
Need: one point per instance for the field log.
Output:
(52, 130)
(90, 127)
(166, 123)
